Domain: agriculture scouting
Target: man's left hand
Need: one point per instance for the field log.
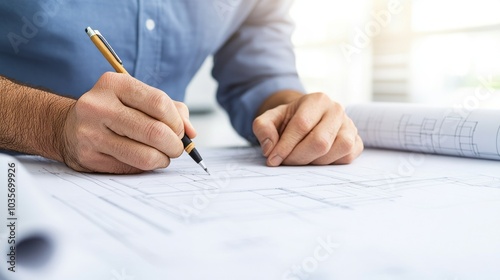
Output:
(310, 129)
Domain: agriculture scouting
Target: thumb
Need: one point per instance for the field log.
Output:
(184, 113)
(267, 126)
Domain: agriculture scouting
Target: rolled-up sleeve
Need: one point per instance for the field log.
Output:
(257, 61)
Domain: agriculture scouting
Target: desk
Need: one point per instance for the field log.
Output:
(389, 215)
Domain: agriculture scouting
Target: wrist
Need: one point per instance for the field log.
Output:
(32, 119)
(279, 98)
(57, 113)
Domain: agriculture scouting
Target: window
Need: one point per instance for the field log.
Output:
(322, 27)
(443, 52)
(455, 55)
(432, 51)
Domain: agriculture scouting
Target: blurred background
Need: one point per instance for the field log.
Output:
(423, 51)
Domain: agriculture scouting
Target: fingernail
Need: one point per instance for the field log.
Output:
(266, 146)
(275, 161)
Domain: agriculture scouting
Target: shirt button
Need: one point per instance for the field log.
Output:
(150, 24)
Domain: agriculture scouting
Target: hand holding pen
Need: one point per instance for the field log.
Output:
(122, 126)
(107, 51)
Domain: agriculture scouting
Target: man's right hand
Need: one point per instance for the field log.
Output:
(123, 126)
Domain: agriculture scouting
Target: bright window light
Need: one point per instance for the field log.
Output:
(431, 15)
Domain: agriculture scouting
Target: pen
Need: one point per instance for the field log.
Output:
(115, 61)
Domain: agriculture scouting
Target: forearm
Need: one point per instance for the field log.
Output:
(32, 119)
(278, 98)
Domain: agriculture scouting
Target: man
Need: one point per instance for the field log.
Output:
(121, 124)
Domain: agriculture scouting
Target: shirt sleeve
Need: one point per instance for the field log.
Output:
(257, 61)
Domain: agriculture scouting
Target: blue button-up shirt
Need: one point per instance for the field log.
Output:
(161, 42)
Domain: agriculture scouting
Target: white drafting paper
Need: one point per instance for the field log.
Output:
(389, 215)
(437, 130)
(43, 245)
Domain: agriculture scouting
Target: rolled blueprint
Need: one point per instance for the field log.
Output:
(427, 129)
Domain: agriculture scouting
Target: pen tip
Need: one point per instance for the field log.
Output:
(204, 167)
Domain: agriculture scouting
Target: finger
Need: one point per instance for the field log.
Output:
(358, 149)
(132, 153)
(343, 145)
(306, 117)
(144, 129)
(318, 142)
(103, 163)
(265, 127)
(152, 101)
(184, 113)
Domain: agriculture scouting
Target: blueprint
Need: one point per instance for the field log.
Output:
(421, 128)
(389, 215)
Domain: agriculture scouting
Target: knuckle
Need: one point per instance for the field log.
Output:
(321, 144)
(170, 113)
(158, 101)
(150, 160)
(258, 124)
(145, 163)
(109, 78)
(347, 159)
(336, 107)
(179, 129)
(154, 130)
(322, 97)
(351, 125)
(346, 144)
(182, 108)
(303, 124)
(158, 161)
